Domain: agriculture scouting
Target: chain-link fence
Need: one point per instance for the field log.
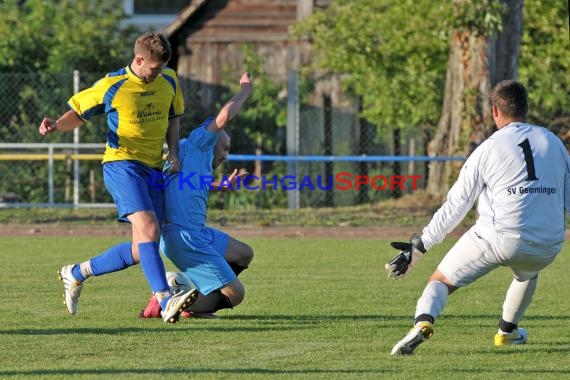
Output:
(328, 126)
(25, 99)
(332, 130)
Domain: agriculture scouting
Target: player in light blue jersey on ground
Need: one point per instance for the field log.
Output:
(520, 176)
(208, 257)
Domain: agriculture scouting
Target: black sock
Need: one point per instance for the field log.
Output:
(223, 302)
(237, 268)
(507, 327)
(424, 318)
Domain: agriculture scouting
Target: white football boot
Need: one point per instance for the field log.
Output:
(177, 304)
(71, 288)
(418, 334)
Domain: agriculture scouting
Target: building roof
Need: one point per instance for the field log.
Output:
(238, 20)
(183, 16)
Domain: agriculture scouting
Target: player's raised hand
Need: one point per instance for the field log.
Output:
(241, 173)
(245, 81)
(47, 126)
(231, 181)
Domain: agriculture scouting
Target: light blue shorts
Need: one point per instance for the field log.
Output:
(199, 255)
(131, 185)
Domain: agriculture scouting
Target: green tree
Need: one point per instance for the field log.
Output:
(484, 48)
(391, 53)
(62, 35)
(265, 114)
(504, 40)
(258, 129)
(41, 43)
(545, 64)
(394, 54)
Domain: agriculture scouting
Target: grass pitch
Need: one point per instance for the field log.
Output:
(314, 308)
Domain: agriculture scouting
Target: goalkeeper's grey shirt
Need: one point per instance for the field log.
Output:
(521, 176)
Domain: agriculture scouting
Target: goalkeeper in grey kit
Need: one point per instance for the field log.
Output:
(517, 226)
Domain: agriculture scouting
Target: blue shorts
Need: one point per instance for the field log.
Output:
(130, 185)
(199, 255)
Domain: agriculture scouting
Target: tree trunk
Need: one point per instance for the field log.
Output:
(476, 63)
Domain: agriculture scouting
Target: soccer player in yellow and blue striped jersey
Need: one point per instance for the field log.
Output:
(137, 113)
(142, 103)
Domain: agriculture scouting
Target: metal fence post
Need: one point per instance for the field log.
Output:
(328, 145)
(293, 135)
(76, 149)
(50, 174)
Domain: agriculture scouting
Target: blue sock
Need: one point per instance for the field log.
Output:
(115, 259)
(153, 269)
(76, 272)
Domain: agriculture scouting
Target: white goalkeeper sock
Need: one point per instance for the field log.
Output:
(518, 299)
(433, 299)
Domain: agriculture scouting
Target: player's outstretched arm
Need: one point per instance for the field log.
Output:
(67, 122)
(232, 107)
(409, 255)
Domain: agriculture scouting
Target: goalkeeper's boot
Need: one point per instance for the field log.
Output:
(418, 334)
(518, 336)
(177, 304)
(71, 288)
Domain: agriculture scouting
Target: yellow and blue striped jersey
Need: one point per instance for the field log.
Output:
(137, 113)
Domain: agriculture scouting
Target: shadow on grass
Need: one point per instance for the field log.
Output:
(268, 323)
(494, 316)
(404, 319)
(274, 322)
(317, 317)
(257, 371)
(192, 371)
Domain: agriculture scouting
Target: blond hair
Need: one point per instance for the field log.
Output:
(154, 46)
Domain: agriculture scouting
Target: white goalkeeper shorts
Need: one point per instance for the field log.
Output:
(480, 250)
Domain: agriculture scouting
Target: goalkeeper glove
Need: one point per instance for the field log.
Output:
(408, 256)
